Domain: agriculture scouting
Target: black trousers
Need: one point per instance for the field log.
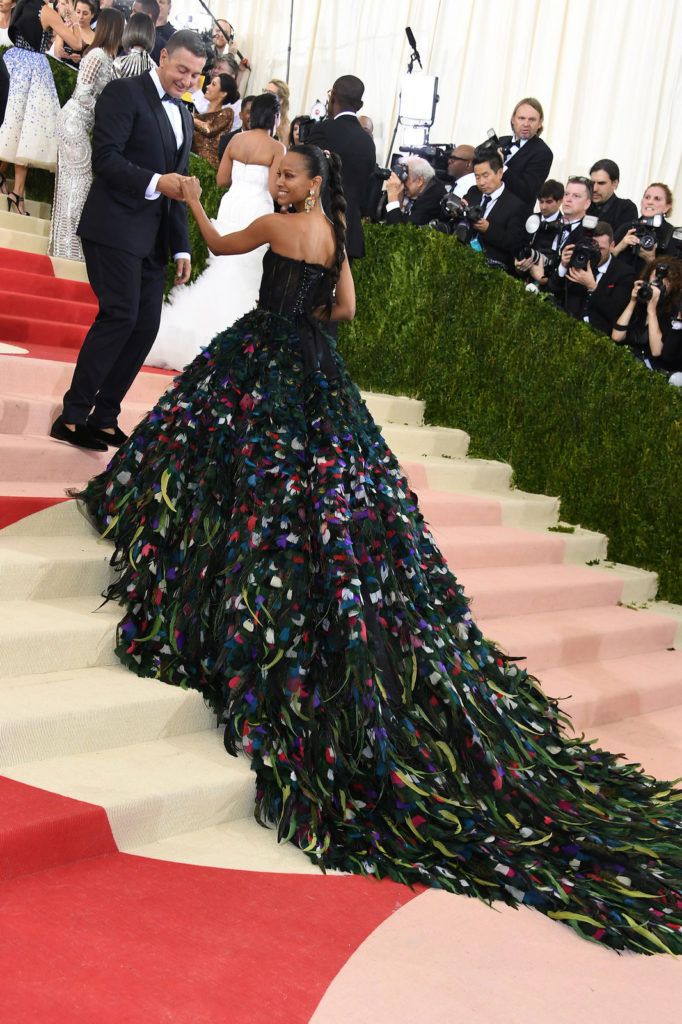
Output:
(129, 290)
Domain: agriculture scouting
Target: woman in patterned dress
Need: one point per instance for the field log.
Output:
(74, 128)
(28, 133)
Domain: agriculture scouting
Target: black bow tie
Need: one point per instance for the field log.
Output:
(167, 98)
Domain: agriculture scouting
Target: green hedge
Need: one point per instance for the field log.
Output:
(573, 413)
(40, 184)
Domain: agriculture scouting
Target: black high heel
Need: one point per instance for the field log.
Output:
(3, 184)
(14, 199)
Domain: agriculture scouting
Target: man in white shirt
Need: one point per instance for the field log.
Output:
(461, 170)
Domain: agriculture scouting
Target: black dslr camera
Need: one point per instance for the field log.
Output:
(539, 248)
(436, 153)
(646, 230)
(457, 218)
(646, 290)
(489, 148)
(586, 251)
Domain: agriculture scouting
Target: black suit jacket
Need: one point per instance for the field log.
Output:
(425, 207)
(615, 211)
(506, 232)
(346, 137)
(607, 301)
(133, 140)
(528, 169)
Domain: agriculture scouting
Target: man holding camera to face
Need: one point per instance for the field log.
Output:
(421, 189)
(548, 268)
(596, 284)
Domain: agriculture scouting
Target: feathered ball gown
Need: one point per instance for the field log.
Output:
(272, 555)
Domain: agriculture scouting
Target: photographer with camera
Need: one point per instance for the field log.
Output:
(651, 323)
(527, 158)
(597, 288)
(419, 186)
(461, 170)
(640, 242)
(500, 215)
(606, 205)
(550, 268)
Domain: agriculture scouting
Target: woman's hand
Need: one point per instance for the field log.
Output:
(191, 190)
(655, 297)
(635, 290)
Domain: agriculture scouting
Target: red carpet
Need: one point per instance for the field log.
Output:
(125, 939)
(40, 830)
(13, 509)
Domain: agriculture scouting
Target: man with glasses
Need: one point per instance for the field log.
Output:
(461, 170)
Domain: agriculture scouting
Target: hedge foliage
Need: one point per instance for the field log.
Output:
(40, 183)
(573, 413)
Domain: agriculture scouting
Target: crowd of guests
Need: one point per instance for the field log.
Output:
(588, 249)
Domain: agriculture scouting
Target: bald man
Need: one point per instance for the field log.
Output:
(461, 170)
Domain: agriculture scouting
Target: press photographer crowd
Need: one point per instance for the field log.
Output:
(585, 248)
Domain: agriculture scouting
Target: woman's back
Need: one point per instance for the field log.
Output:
(255, 147)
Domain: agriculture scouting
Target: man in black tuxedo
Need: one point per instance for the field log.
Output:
(164, 29)
(598, 295)
(132, 221)
(527, 158)
(342, 133)
(606, 205)
(423, 190)
(500, 231)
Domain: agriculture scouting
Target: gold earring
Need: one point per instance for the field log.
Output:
(309, 202)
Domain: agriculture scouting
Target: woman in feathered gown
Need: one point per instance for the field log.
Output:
(228, 287)
(272, 555)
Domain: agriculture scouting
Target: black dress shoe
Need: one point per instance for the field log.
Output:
(114, 439)
(81, 436)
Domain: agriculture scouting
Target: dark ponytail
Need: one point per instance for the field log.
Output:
(331, 193)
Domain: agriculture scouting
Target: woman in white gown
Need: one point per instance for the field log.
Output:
(228, 288)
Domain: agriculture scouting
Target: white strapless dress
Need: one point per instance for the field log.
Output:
(227, 289)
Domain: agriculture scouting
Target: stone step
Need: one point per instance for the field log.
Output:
(32, 568)
(69, 270)
(26, 414)
(530, 589)
(49, 308)
(23, 240)
(467, 547)
(603, 691)
(441, 474)
(394, 408)
(152, 790)
(33, 225)
(549, 639)
(653, 740)
(414, 442)
(43, 459)
(77, 711)
(29, 285)
(25, 330)
(241, 845)
(56, 634)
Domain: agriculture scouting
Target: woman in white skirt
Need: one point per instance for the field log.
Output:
(28, 133)
(74, 131)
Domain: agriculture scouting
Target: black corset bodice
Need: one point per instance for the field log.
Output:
(26, 31)
(293, 289)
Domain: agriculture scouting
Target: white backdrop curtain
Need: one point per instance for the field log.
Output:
(609, 75)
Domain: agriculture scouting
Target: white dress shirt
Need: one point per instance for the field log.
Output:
(516, 145)
(494, 196)
(174, 116)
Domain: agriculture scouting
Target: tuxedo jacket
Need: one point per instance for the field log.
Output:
(528, 169)
(607, 301)
(425, 207)
(345, 136)
(506, 232)
(132, 140)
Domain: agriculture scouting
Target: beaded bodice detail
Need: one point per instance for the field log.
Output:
(292, 288)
